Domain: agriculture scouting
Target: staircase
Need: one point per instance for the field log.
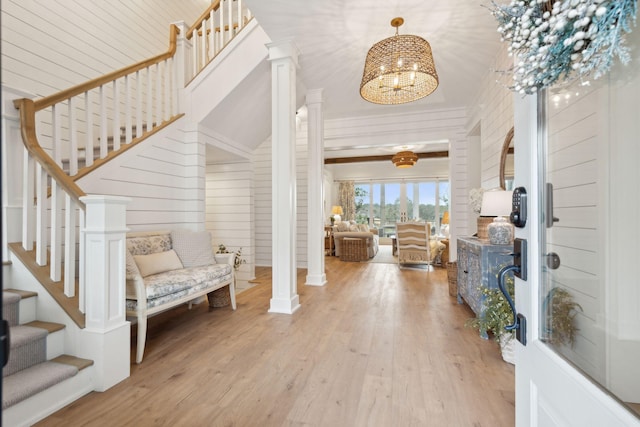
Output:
(74, 277)
(37, 365)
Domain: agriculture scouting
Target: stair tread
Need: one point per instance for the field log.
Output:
(22, 334)
(27, 382)
(23, 294)
(78, 362)
(48, 326)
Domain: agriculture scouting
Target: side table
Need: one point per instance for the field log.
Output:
(329, 243)
(394, 244)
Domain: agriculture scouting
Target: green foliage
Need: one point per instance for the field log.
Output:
(560, 311)
(361, 214)
(497, 313)
(238, 260)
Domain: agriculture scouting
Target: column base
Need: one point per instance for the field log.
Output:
(285, 306)
(316, 280)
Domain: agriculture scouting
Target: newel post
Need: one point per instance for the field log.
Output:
(181, 64)
(107, 332)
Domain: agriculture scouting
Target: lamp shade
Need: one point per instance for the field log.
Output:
(398, 69)
(445, 218)
(336, 210)
(404, 159)
(496, 203)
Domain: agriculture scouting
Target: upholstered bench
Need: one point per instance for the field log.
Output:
(169, 268)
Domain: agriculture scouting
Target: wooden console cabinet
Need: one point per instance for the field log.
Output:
(478, 265)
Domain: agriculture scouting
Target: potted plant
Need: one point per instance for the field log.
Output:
(560, 311)
(238, 260)
(497, 315)
(558, 307)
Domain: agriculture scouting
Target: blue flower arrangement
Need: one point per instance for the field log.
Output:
(562, 40)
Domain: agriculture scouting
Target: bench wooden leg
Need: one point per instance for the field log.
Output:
(142, 336)
(232, 294)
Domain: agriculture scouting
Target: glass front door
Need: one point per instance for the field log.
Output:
(589, 286)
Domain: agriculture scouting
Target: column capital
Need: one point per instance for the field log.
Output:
(283, 49)
(314, 96)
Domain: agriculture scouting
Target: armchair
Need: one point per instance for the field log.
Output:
(415, 245)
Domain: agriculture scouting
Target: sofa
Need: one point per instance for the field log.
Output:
(349, 229)
(165, 269)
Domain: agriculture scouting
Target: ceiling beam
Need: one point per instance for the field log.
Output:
(386, 157)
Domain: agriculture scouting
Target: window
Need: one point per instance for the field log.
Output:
(382, 204)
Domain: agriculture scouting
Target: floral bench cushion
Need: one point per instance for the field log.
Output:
(174, 284)
(149, 244)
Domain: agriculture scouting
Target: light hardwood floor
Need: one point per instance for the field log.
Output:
(376, 346)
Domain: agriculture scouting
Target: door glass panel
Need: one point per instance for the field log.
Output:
(427, 207)
(390, 206)
(590, 291)
(363, 213)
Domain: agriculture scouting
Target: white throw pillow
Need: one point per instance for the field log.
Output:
(132, 268)
(193, 247)
(343, 226)
(157, 263)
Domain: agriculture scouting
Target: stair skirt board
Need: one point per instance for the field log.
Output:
(35, 379)
(45, 403)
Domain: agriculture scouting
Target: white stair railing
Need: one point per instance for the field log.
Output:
(58, 134)
(213, 30)
(68, 134)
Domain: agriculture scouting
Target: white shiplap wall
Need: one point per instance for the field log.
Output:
(164, 177)
(48, 46)
(493, 111)
(263, 205)
(577, 128)
(230, 213)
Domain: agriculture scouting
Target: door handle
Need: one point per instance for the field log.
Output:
(501, 285)
(548, 217)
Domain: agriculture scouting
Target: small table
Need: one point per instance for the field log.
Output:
(329, 243)
(394, 244)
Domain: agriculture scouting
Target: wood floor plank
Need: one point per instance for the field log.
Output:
(376, 346)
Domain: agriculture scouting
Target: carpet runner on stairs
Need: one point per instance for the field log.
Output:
(28, 372)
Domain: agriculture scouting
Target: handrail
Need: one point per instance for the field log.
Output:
(214, 6)
(29, 107)
(99, 81)
(28, 131)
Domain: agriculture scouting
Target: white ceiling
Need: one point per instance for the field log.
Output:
(333, 37)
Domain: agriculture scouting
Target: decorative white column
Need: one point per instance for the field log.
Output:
(315, 189)
(106, 336)
(284, 60)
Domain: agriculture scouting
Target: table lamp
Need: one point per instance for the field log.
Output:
(497, 203)
(336, 211)
(444, 224)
